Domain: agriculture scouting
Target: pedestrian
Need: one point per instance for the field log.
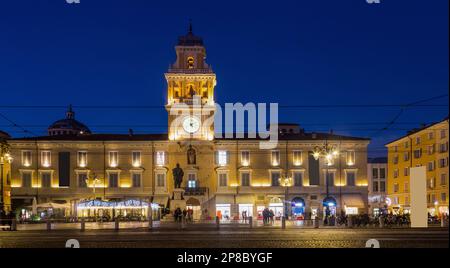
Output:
(271, 215)
(244, 216)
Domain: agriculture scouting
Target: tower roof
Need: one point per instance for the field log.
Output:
(190, 39)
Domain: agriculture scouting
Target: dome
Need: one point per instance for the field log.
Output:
(68, 126)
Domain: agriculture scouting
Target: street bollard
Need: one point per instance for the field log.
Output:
(217, 222)
(150, 222)
(116, 224)
(381, 220)
(316, 222)
(83, 225)
(283, 222)
(13, 225)
(350, 222)
(250, 222)
(49, 225)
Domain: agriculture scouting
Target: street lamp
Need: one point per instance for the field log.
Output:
(5, 158)
(95, 180)
(328, 153)
(286, 182)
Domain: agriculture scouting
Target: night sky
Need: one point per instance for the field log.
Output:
(321, 52)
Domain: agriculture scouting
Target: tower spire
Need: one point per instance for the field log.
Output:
(70, 114)
(190, 26)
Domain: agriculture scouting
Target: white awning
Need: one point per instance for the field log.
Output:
(352, 200)
(224, 199)
(245, 199)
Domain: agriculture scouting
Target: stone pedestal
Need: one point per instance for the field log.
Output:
(177, 200)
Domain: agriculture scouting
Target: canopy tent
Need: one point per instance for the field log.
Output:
(353, 200)
(49, 205)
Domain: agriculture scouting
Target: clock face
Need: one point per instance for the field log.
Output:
(191, 124)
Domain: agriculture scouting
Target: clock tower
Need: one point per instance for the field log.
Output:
(190, 91)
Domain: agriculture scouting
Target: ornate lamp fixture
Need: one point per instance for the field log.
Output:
(327, 152)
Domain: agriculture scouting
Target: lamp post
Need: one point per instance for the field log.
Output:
(329, 153)
(286, 182)
(5, 158)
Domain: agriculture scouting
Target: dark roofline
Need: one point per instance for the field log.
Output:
(414, 131)
(164, 137)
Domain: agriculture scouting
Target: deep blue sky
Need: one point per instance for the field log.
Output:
(114, 52)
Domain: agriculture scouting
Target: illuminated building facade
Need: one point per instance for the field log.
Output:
(222, 176)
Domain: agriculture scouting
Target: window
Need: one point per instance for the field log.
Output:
(82, 180)
(406, 187)
(136, 159)
(375, 186)
(136, 180)
(418, 153)
(395, 187)
(443, 179)
(26, 158)
(245, 158)
(190, 62)
(431, 183)
(298, 178)
(222, 158)
(431, 166)
(160, 158)
(275, 178)
(395, 149)
(46, 179)
(275, 158)
(382, 186)
(330, 178)
(192, 180)
(431, 149)
(406, 200)
(351, 178)
(350, 158)
(406, 144)
(297, 158)
(382, 173)
(443, 147)
(245, 179)
(113, 180)
(430, 135)
(406, 171)
(395, 173)
(375, 173)
(443, 197)
(26, 179)
(113, 159)
(46, 159)
(443, 162)
(223, 179)
(82, 159)
(406, 156)
(161, 180)
(443, 134)
(395, 160)
(417, 140)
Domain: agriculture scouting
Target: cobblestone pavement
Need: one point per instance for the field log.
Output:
(230, 237)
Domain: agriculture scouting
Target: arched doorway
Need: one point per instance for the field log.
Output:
(298, 208)
(194, 205)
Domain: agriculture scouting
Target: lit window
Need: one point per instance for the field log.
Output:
(113, 159)
(297, 158)
(82, 180)
(26, 158)
(350, 158)
(136, 159)
(222, 158)
(275, 158)
(275, 178)
(160, 158)
(46, 159)
(82, 159)
(245, 158)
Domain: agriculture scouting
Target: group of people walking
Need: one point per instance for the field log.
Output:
(268, 216)
(186, 214)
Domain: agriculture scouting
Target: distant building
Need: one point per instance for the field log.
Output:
(377, 177)
(426, 146)
(68, 126)
(5, 174)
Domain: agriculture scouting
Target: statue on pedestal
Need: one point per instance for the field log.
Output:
(178, 174)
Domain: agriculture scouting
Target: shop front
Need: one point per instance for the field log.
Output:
(193, 204)
(246, 205)
(354, 204)
(329, 206)
(298, 208)
(131, 209)
(223, 206)
(276, 205)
